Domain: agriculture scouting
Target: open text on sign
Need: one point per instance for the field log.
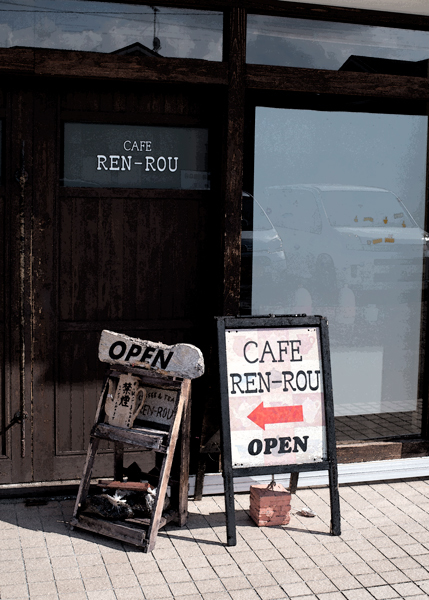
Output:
(182, 360)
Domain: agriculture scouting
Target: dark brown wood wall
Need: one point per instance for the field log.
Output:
(3, 299)
(142, 262)
(128, 264)
(19, 130)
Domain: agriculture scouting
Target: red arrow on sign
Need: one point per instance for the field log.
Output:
(276, 414)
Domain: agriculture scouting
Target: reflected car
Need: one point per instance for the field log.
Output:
(337, 237)
(262, 254)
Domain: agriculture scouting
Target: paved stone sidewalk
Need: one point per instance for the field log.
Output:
(383, 552)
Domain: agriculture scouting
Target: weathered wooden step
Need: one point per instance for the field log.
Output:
(132, 531)
(137, 436)
(118, 530)
(131, 486)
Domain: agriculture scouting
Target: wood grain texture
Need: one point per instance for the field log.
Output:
(78, 388)
(235, 54)
(119, 531)
(17, 60)
(152, 533)
(185, 448)
(122, 259)
(3, 320)
(135, 437)
(290, 79)
(19, 125)
(415, 448)
(94, 65)
(132, 486)
(352, 453)
(86, 476)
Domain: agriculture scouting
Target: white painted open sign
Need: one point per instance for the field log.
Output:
(182, 360)
(275, 394)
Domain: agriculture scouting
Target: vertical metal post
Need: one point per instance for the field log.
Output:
(226, 455)
(330, 429)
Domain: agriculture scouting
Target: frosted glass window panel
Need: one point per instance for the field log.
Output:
(324, 45)
(345, 194)
(110, 27)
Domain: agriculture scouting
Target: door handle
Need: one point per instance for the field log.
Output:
(18, 417)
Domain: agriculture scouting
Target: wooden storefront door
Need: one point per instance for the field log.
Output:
(140, 262)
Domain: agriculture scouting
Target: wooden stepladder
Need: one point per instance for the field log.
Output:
(160, 399)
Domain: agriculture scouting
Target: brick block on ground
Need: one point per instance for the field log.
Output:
(269, 505)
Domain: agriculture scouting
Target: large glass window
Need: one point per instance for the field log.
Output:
(344, 196)
(336, 46)
(110, 27)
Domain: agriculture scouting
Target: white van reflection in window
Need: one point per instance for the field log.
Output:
(262, 254)
(347, 243)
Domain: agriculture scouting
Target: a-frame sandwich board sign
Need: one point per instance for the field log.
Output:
(276, 401)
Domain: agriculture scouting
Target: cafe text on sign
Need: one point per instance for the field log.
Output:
(275, 391)
(135, 156)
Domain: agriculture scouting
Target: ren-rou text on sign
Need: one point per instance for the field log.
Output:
(276, 400)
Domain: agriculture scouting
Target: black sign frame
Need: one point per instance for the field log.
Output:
(330, 464)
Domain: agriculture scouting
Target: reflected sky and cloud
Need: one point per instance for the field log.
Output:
(325, 45)
(107, 27)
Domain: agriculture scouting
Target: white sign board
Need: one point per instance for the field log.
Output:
(276, 400)
(181, 360)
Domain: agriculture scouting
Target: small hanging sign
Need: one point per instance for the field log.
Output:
(159, 406)
(122, 409)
